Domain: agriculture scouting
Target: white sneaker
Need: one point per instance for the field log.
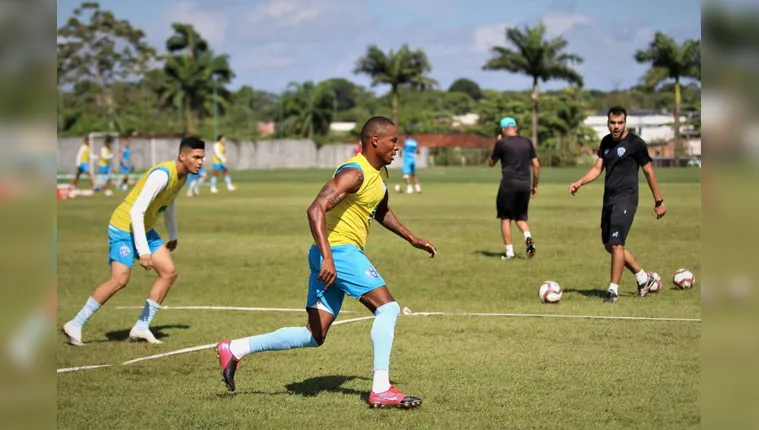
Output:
(74, 333)
(137, 334)
(214, 190)
(196, 190)
(507, 256)
(231, 187)
(108, 193)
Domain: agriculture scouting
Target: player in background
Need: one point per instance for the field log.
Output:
(220, 164)
(410, 151)
(194, 181)
(104, 166)
(621, 153)
(339, 219)
(131, 236)
(125, 161)
(517, 156)
(83, 158)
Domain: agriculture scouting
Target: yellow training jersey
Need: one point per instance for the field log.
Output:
(218, 148)
(121, 219)
(348, 222)
(84, 154)
(105, 156)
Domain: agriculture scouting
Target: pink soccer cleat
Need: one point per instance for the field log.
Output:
(228, 362)
(393, 397)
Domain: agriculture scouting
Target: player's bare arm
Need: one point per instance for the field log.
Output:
(387, 218)
(535, 176)
(660, 209)
(589, 177)
(346, 182)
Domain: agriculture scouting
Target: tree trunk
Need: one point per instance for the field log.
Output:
(189, 125)
(534, 96)
(678, 144)
(394, 98)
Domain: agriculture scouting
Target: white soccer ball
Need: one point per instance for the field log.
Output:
(657, 282)
(397, 188)
(550, 292)
(684, 279)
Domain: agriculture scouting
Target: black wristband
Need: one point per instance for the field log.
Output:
(658, 203)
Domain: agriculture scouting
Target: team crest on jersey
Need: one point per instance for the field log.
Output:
(620, 152)
(372, 273)
(125, 251)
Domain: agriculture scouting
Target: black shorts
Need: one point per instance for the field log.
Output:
(616, 221)
(512, 204)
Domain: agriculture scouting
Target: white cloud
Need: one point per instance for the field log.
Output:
(211, 24)
(299, 19)
(487, 36)
(267, 56)
(558, 24)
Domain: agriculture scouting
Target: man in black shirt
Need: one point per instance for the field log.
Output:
(516, 155)
(621, 153)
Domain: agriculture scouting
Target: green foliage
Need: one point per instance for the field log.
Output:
(467, 86)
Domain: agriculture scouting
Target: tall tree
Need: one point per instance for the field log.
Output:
(396, 68)
(195, 76)
(94, 45)
(671, 61)
(468, 86)
(538, 58)
(308, 108)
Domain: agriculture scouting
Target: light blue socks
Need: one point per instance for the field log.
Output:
(148, 312)
(86, 313)
(383, 331)
(284, 338)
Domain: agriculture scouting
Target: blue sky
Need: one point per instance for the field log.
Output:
(274, 42)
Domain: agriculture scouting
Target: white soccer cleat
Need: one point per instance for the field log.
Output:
(214, 190)
(74, 333)
(137, 334)
(231, 188)
(108, 193)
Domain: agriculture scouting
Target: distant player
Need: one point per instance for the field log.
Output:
(621, 153)
(410, 151)
(131, 236)
(125, 162)
(83, 158)
(517, 156)
(194, 181)
(220, 164)
(104, 166)
(339, 218)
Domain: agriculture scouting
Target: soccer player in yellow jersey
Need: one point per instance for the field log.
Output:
(83, 163)
(340, 217)
(220, 164)
(131, 237)
(104, 166)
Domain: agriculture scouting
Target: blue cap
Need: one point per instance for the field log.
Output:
(507, 122)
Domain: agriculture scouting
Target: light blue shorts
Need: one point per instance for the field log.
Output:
(409, 167)
(104, 170)
(84, 167)
(122, 247)
(219, 166)
(125, 168)
(355, 277)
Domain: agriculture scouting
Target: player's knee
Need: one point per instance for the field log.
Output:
(119, 281)
(319, 338)
(611, 248)
(170, 274)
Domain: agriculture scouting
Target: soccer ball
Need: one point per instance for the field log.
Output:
(657, 282)
(397, 188)
(684, 279)
(550, 292)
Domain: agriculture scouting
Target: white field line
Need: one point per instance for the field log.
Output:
(422, 314)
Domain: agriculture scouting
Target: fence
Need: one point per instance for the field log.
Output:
(265, 154)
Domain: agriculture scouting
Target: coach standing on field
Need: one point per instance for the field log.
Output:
(516, 155)
(621, 153)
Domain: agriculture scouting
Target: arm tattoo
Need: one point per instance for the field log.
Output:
(328, 193)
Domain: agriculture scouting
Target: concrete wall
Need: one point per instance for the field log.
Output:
(265, 154)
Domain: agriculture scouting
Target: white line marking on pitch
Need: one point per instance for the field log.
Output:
(76, 369)
(225, 308)
(471, 314)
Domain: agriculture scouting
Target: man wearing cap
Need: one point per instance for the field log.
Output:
(516, 154)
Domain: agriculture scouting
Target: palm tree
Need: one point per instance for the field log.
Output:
(308, 108)
(534, 56)
(192, 71)
(402, 68)
(671, 61)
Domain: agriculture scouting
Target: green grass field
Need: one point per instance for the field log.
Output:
(249, 249)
